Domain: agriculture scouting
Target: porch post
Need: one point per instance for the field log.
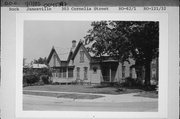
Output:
(110, 72)
(66, 72)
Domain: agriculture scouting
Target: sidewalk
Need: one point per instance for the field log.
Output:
(131, 97)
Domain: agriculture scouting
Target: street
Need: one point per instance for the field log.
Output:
(107, 103)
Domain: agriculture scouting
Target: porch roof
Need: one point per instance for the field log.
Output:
(104, 59)
(64, 67)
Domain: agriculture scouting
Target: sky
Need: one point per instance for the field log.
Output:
(41, 36)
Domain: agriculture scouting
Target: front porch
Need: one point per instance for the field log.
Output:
(62, 75)
(109, 70)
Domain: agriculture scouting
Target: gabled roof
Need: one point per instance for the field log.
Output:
(80, 44)
(35, 66)
(67, 54)
(62, 53)
(51, 54)
(70, 56)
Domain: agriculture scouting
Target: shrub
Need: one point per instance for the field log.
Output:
(129, 82)
(36, 76)
(45, 79)
(30, 79)
(55, 83)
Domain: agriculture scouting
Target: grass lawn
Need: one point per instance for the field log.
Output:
(150, 94)
(114, 90)
(63, 95)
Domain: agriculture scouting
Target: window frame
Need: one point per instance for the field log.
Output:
(78, 72)
(85, 73)
(70, 72)
(64, 73)
(82, 56)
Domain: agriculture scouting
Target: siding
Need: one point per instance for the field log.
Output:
(95, 77)
(118, 77)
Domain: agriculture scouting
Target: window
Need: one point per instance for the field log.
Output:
(81, 56)
(123, 71)
(54, 62)
(64, 72)
(85, 73)
(59, 73)
(70, 72)
(54, 74)
(78, 71)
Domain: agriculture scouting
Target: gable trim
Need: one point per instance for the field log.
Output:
(51, 54)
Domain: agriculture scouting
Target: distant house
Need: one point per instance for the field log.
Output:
(81, 66)
(38, 66)
(29, 68)
(35, 66)
(154, 71)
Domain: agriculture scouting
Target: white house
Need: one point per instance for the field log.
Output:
(81, 66)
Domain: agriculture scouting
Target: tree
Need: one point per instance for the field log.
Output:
(145, 45)
(24, 61)
(106, 40)
(126, 39)
(98, 36)
(40, 60)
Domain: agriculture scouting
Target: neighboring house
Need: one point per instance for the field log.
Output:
(27, 68)
(81, 66)
(154, 71)
(38, 66)
(35, 66)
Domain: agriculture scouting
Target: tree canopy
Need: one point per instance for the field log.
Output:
(40, 60)
(126, 39)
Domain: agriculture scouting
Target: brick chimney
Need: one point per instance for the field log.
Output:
(73, 44)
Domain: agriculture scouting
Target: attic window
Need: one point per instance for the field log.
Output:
(81, 56)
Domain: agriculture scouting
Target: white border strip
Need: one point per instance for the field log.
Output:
(163, 63)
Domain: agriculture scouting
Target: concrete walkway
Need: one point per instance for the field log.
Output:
(131, 97)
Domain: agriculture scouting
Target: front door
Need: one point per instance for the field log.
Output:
(109, 71)
(105, 73)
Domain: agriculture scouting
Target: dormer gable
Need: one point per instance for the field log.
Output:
(80, 48)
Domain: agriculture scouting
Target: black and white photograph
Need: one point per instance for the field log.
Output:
(100, 65)
(82, 59)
